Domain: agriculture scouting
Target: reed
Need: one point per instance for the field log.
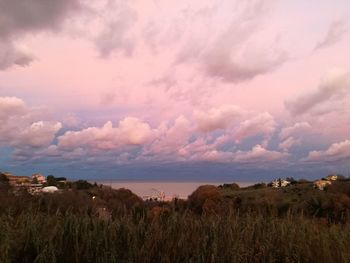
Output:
(34, 236)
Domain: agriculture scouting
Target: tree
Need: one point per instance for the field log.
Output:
(200, 196)
(82, 184)
(4, 181)
(51, 180)
(291, 180)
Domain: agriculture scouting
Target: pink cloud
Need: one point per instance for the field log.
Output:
(292, 135)
(20, 128)
(297, 129)
(286, 144)
(130, 131)
(259, 154)
(337, 152)
(332, 90)
(172, 139)
(217, 118)
(262, 123)
(334, 34)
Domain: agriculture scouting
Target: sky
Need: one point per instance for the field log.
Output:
(175, 90)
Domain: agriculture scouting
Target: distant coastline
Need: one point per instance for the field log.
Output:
(181, 189)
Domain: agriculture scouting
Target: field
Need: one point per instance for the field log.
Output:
(257, 224)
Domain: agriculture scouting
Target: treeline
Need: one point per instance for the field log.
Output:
(216, 224)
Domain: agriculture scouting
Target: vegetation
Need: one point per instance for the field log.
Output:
(4, 181)
(216, 224)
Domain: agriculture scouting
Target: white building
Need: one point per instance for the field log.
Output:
(321, 184)
(280, 183)
(332, 177)
(41, 179)
(49, 189)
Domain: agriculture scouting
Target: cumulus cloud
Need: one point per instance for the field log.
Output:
(171, 139)
(217, 118)
(18, 18)
(213, 156)
(38, 134)
(262, 123)
(334, 34)
(130, 131)
(286, 144)
(19, 127)
(11, 106)
(258, 154)
(297, 129)
(199, 151)
(333, 89)
(337, 152)
(291, 135)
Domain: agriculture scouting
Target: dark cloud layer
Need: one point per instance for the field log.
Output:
(18, 18)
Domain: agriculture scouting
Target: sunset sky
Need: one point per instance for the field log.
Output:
(175, 90)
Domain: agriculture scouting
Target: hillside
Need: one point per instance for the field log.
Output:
(296, 223)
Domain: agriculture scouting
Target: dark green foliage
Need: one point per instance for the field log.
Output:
(259, 185)
(4, 181)
(51, 181)
(291, 180)
(60, 179)
(3, 178)
(232, 186)
(81, 185)
(303, 181)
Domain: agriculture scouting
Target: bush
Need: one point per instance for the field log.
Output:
(82, 185)
(203, 193)
(259, 186)
(51, 181)
(4, 181)
(232, 186)
(303, 181)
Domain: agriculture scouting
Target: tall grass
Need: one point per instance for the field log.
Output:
(35, 236)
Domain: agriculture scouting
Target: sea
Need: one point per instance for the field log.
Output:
(146, 189)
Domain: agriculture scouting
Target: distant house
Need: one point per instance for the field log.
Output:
(18, 180)
(321, 184)
(279, 183)
(41, 179)
(332, 177)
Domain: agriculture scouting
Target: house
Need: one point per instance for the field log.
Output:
(321, 184)
(19, 180)
(279, 183)
(331, 177)
(41, 179)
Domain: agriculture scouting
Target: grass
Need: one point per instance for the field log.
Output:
(172, 237)
(295, 224)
